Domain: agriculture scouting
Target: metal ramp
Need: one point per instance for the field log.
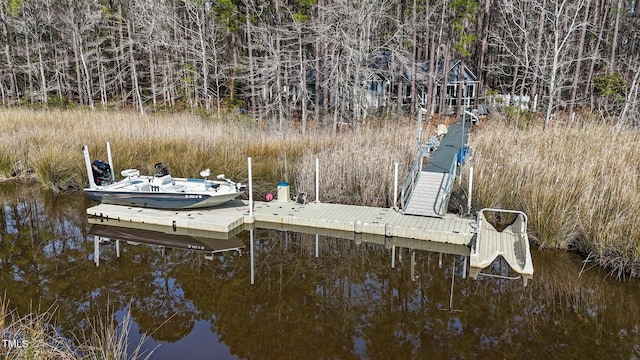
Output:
(512, 244)
(430, 196)
(427, 189)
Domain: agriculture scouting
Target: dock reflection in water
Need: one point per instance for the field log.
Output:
(154, 236)
(313, 297)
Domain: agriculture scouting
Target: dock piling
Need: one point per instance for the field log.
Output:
(395, 186)
(470, 189)
(250, 188)
(317, 180)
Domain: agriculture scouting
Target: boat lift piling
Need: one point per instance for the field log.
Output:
(317, 181)
(113, 174)
(250, 220)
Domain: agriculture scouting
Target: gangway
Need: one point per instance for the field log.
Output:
(427, 189)
(430, 193)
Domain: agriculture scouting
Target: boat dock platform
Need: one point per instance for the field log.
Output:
(421, 218)
(348, 218)
(444, 234)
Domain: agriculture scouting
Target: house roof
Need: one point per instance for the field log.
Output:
(382, 61)
(380, 65)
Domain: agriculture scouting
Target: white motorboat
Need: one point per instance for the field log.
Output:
(160, 191)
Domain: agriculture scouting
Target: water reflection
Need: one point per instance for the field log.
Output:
(313, 297)
(154, 236)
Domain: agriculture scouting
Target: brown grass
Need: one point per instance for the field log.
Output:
(580, 186)
(39, 340)
(359, 163)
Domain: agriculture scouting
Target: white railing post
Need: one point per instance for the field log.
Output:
(317, 180)
(250, 187)
(395, 186)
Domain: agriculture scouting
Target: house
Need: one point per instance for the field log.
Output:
(376, 85)
(381, 90)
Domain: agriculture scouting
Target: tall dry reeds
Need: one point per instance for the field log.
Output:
(34, 336)
(356, 166)
(579, 186)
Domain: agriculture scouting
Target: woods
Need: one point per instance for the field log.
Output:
(315, 61)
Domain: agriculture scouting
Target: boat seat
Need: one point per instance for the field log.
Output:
(176, 188)
(143, 186)
(162, 180)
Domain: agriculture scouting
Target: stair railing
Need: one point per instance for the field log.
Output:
(412, 178)
(446, 188)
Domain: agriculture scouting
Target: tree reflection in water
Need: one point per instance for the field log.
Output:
(347, 303)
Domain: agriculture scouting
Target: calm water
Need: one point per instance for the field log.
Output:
(330, 299)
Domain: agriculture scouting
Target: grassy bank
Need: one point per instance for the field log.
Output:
(579, 186)
(34, 336)
(357, 166)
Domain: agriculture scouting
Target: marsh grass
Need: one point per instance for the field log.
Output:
(41, 340)
(356, 163)
(105, 339)
(578, 183)
(580, 186)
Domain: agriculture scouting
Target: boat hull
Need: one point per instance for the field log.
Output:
(158, 200)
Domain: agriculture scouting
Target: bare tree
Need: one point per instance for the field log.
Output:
(547, 58)
(565, 23)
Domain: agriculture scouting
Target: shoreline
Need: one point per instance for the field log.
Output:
(572, 191)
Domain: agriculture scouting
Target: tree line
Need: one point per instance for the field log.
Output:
(311, 60)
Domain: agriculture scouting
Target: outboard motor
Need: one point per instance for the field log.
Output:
(101, 172)
(161, 169)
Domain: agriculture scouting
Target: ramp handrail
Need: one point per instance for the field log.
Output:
(410, 181)
(445, 188)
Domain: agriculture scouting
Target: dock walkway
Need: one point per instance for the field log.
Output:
(350, 218)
